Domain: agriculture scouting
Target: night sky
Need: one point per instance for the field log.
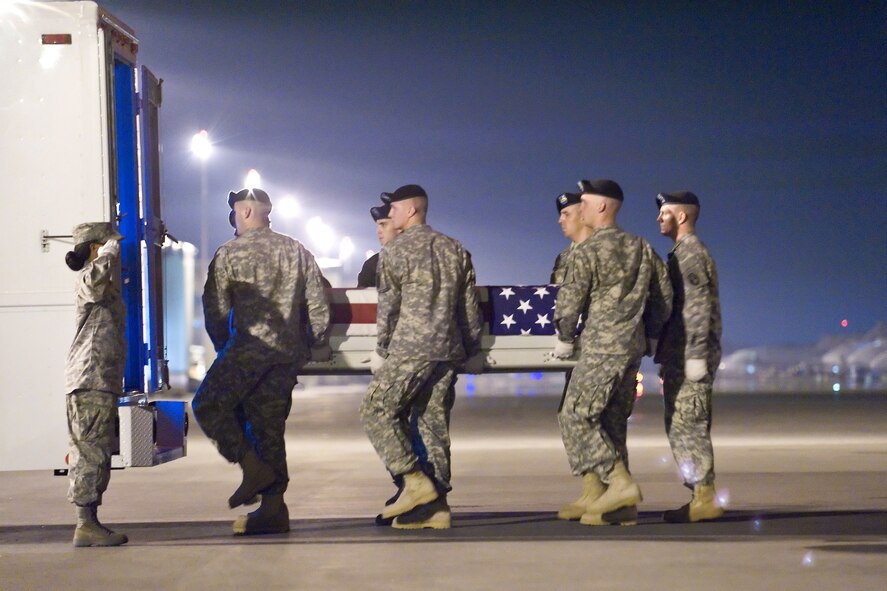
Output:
(774, 113)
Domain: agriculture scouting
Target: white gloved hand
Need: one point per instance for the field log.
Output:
(563, 350)
(376, 362)
(322, 353)
(695, 369)
(110, 248)
(475, 364)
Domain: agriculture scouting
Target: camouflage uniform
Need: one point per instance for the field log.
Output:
(560, 265)
(620, 285)
(557, 277)
(94, 379)
(692, 332)
(264, 306)
(428, 322)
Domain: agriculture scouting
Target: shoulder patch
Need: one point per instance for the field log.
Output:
(693, 278)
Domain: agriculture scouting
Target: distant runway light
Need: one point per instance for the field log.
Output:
(844, 323)
(836, 388)
(724, 497)
(808, 559)
(756, 524)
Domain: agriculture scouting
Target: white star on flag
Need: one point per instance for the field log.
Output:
(506, 293)
(525, 332)
(525, 306)
(541, 292)
(508, 320)
(542, 320)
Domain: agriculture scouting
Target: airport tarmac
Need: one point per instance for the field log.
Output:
(804, 478)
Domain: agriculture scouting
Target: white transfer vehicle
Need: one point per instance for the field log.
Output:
(79, 133)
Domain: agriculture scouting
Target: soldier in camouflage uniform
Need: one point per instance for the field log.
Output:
(385, 231)
(571, 224)
(619, 284)
(690, 352)
(94, 376)
(428, 324)
(266, 313)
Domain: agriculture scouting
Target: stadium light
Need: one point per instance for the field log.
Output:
(201, 147)
(346, 248)
(288, 207)
(253, 179)
(321, 234)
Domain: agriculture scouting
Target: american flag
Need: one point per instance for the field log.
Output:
(514, 310)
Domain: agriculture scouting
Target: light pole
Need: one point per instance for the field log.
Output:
(201, 147)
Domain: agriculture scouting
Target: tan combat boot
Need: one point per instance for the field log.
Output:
(418, 489)
(272, 517)
(700, 508)
(90, 532)
(619, 502)
(433, 515)
(592, 488)
(257, 475)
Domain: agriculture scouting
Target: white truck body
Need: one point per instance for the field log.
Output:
(78, 142)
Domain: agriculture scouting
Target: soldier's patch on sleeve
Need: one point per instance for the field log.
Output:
(693, 278)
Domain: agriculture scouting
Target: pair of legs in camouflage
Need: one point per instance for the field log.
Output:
(243, 403)
(423, 390)
(688, 424)
(92, 416)
(594, 413)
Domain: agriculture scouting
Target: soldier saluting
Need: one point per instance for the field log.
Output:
(690, 352)
(94, 375)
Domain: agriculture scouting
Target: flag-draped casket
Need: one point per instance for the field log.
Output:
(518, 329)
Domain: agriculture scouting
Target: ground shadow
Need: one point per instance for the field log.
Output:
(833, 527)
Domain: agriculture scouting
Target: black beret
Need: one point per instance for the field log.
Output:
(604, 187)
(404, 192)
(678, 197)
(248, 195)
(565, 199)
(381, 212)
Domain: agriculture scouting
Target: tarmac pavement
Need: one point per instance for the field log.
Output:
(804, 478)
